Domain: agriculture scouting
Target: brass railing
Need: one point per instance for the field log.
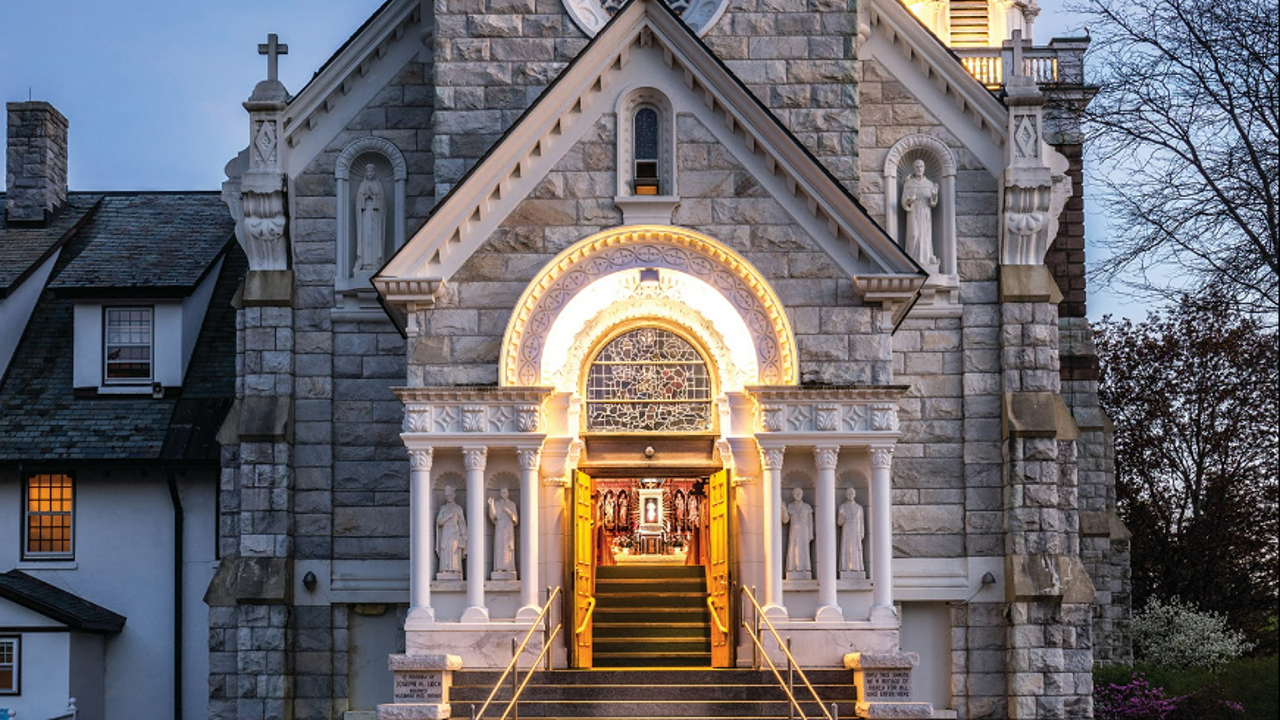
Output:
(793, 667)
(517, 649)
(586, 619)
(715, 616)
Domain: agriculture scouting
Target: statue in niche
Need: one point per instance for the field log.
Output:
(451, 537)
(622, 513)
(608, 509)
(853, 529)
(919, 197)
(370, 225)
(502, 513)
(799, 515)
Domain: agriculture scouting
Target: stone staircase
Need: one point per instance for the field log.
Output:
(643, 694)
(651, 616)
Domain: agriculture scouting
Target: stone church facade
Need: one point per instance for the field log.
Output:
(874, 250)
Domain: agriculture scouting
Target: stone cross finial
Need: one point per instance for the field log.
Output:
(1017, 53)
(273, 49)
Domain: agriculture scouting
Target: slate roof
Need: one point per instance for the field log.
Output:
(41, 417)
(153, 243)
(23, 247)
(57, 604)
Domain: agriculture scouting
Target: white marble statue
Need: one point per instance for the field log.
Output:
(853, 529)
(798, 514)
(502, 512)
(451, 537)
(919, 197)
(369, 222)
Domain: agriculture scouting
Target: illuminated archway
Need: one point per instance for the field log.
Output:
(646, 247)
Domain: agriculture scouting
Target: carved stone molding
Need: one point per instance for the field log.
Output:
(421, 459)
(592, 15)
(529, 458)
(771, 458)
(881, 456)
(827, 409)
(1036, 182)
(448, 411)
(475, 458)
(825, 457)
(649, 247)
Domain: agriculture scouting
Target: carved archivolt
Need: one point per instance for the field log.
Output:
(648, 246)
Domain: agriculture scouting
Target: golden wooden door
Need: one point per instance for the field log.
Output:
(583, 580)
(718, 570)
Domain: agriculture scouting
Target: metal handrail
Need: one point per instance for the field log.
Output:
(715, 617)
(586, 619)
(517, 651)
(791, 660)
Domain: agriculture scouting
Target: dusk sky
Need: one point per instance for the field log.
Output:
(153, 88)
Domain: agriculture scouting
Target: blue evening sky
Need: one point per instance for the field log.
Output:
(153, 88)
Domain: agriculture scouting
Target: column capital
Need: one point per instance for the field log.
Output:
(771, 457)
(529, 458)
(420, 459)
(881, 456)
(826, 456)
(475, 458)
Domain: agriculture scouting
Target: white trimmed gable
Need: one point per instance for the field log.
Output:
(934, 75)
(645, 46)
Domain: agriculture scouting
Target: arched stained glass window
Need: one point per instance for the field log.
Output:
(646, 144)
(648, 380)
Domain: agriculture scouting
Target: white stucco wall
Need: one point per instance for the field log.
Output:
(44, 673)
(124, 561)
(15, 310)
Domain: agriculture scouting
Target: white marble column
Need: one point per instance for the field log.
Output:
(474, 459)
(881, 533)
(421, 537)
(771, 516)
(529, 462)
(825, 457)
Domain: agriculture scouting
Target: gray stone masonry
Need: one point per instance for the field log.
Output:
(494, 57)
(35, 161)
(461, 337)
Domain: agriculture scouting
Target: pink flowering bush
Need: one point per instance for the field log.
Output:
(1140, 700)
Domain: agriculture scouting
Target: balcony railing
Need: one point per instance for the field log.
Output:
(1061, 62)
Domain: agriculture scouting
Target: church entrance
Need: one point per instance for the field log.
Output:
(650, 571)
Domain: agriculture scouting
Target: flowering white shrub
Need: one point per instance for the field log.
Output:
(1178, 634)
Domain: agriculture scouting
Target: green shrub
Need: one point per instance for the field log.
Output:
(1252, 682)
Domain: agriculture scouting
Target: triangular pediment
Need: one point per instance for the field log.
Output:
(644, 34)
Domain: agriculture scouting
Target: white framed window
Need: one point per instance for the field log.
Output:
(10, 665)
(646, 144)
(49, 515)
(128, 337)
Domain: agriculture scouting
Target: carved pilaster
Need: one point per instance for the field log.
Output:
(771, 458)
(529, 458)
(881, 456)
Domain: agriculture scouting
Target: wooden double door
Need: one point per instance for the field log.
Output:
(713, 554)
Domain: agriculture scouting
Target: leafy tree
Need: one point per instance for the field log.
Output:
(1185, 126)
(1192, 393)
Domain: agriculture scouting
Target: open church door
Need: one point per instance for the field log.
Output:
(722, 642)
(584, 568)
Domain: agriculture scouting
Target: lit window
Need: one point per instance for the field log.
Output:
(48, 516)
(646, 142)
(648, 380)
(128, 345)
(9, 657)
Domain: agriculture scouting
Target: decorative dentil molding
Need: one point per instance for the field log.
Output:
(829, 409)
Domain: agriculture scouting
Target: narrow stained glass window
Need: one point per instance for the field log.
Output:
(648, 380)
(646, 143)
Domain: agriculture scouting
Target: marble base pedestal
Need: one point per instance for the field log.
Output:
(883, 680)
(421, 687)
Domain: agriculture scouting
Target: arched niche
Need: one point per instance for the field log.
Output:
(629, 104)
(940, 167)
(384, 160)
(645, 247)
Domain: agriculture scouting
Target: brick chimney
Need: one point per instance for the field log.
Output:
(36, 162)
